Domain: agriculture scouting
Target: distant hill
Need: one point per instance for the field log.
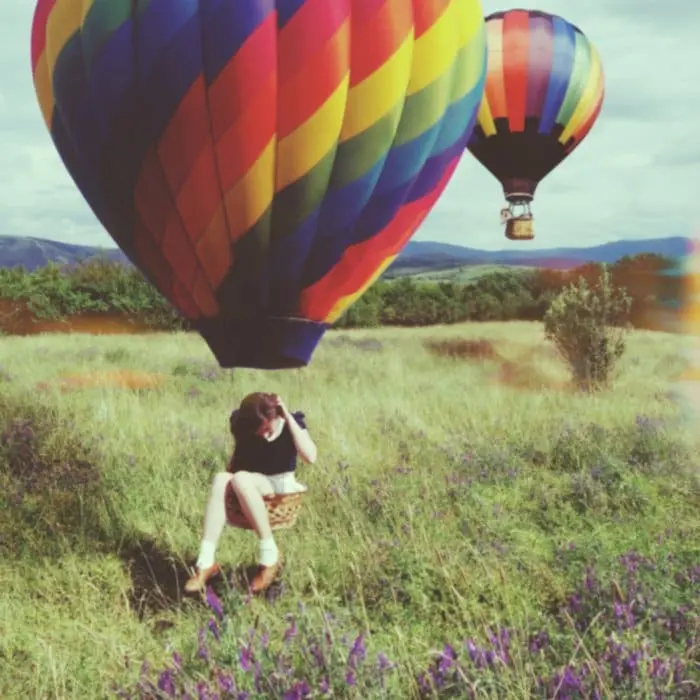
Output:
(418, 257)
(37, 252)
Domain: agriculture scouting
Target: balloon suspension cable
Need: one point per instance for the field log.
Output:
(512, 212)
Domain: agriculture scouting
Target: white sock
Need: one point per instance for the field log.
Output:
(268, 552)
(207, 555)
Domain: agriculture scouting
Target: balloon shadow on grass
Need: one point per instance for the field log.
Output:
(158, 580)
(157, 577)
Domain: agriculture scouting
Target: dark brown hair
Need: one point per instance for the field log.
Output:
(254, 409)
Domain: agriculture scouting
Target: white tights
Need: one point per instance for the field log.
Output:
(250, 488)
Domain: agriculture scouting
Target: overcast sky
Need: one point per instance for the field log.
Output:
(634, 176)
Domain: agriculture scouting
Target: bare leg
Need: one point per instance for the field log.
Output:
(250, 489)
(214, 520)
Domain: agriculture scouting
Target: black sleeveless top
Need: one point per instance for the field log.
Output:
(255, 454)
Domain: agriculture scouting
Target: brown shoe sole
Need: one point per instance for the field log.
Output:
(198, 582)
(263, 580)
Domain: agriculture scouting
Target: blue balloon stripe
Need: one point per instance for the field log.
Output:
(286, 9)
(562, 66)
(225, 27)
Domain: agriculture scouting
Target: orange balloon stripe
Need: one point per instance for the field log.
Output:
(426, 13)
(188, 178)
(390, 26)
(179, 251)
(199, 195)
(306, 33)
(183, 301)
(302, 94)
(360, 261)
(495, 91)
(246, 139)
(157, 221)
(516, 34)
(180, 145)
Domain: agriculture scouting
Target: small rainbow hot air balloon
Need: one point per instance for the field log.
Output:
(260, 161)
(544, 91)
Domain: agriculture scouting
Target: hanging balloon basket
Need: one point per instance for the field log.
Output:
(282, 509)
(520, 229)
(519, 224)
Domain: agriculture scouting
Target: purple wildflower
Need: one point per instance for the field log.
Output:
(357, 652)
(225, 682)
(166, 683)
(213, 627)
(298, 691)
(245, 658)
(202, 651)
(214, 602)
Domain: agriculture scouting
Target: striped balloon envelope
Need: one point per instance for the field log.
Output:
(544, 91)
(262, 162)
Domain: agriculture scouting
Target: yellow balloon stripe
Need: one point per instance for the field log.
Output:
(485, 119)
(379, 93)
(305, 147)
(587, 100)
(44, 89)
(64, 21)
(435, 50)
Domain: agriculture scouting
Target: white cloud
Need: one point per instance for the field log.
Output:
(633, 177)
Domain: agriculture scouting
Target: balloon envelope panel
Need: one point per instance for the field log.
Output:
(262, 162)
(544, 91)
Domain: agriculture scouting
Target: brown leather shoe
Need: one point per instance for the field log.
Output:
(198, 581)
(265, 576)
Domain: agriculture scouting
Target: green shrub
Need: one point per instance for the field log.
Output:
(587, 326)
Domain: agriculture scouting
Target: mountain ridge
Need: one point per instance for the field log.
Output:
(32, 253)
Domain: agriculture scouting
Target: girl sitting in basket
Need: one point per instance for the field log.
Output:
(268, 439)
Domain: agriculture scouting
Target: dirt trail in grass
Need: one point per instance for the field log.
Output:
(17, 319)
(117, 379)
(523, 372)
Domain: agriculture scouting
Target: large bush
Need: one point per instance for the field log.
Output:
(587, 326)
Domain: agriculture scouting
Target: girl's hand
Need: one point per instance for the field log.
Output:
(280, 405)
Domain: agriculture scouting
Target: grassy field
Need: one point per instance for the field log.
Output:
(458, 274)
(474, 527)
(468, 273)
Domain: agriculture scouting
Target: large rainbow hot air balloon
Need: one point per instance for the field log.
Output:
(544, 91)
(260, 161)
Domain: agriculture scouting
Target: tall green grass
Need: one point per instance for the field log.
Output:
(444, 502)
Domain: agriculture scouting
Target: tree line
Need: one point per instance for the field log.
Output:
(100, 286)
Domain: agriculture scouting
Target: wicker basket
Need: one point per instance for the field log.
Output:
(283, 510)
(520, 229)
